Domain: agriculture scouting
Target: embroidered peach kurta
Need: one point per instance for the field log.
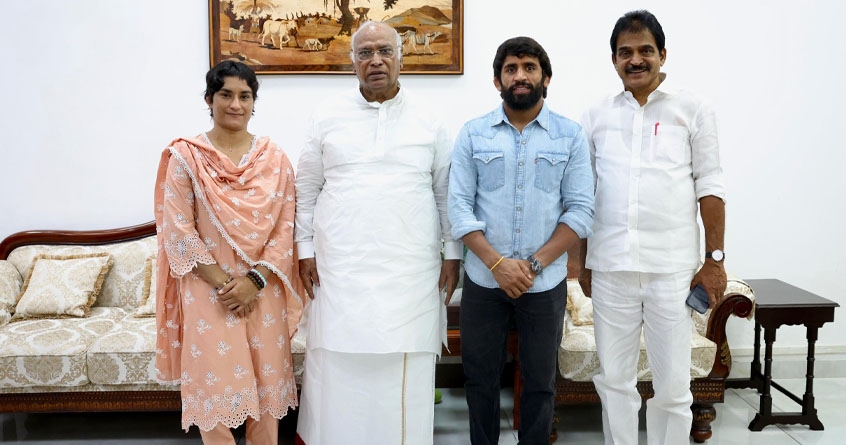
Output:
(210, 211)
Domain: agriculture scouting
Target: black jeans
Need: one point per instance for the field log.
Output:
(486, 316)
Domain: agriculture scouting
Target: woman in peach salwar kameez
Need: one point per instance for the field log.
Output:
(228, 295)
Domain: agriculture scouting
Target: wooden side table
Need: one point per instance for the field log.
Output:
(778, 303)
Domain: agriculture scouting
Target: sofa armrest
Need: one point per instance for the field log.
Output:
(733, 303)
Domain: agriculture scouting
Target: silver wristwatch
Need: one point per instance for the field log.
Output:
(536, 265)
(716, 255)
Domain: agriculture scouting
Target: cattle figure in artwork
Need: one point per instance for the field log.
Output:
(412, 38)
(312, 45)
(282, 30)
(426, 39)
(318, 44)
(235, 33)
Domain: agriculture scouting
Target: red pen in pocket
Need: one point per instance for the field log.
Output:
(656, 127)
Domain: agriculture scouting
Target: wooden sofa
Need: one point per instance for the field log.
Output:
(107, 362)
(36, 393)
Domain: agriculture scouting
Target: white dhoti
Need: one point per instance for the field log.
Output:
(350, 399)
(371, 205)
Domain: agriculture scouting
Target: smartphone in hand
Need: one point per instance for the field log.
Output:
(698, 299)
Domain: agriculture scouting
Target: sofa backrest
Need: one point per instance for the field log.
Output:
(125, 282)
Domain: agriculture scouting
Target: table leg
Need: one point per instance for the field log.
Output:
(756, 354)
(755, 376)
(808, 410)
(755, 379)
(764, 416)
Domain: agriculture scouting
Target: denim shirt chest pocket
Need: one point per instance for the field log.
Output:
(549, 170)
(491, 168)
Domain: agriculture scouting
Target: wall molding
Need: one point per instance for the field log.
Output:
(790, 362)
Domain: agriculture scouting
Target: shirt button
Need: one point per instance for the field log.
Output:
(520, 187)
(523, 142)
(515, 254)
(519, 208)
(487, 159)
(520, 164)
(518, 230)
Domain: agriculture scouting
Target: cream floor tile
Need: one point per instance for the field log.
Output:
(582, 424)
(731, 427)
(452, 422)
(828, 400)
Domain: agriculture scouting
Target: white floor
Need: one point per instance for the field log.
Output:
(583, 424)
(577, 425)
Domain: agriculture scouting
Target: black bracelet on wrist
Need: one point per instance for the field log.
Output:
(254, 281)
(257, 279)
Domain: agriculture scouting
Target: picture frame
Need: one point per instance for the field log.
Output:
(313, 36)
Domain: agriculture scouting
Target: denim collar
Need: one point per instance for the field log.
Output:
(498, 117)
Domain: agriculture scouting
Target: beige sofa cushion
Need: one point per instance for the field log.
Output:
(10, 288)
(125, 355)
(62, 285)
(51, 352)
(579, 306)
(577, 359)
(147, 308)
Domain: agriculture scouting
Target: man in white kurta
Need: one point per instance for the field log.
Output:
(656, 161)
(371, 216)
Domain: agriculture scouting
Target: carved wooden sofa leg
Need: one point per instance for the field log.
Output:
(703, 415)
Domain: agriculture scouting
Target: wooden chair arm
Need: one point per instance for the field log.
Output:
(732, 304)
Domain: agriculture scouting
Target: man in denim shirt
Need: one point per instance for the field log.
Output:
(514, 172)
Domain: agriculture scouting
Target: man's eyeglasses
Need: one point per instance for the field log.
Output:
(367, 54)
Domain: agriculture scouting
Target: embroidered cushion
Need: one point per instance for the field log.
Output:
(579, 306)
(10, 287)
(62, 286)
(147, 308)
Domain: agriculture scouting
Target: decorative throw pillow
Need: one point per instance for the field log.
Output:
(580, 306)
(62, 285)
(147, 308)
(10, 287)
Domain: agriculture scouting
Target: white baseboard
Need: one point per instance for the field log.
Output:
(791, 362)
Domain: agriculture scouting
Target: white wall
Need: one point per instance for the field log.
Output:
(94, 90)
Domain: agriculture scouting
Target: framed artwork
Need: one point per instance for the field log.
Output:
(313, 36)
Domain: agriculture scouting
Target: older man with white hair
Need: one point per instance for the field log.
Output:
(371, 218)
